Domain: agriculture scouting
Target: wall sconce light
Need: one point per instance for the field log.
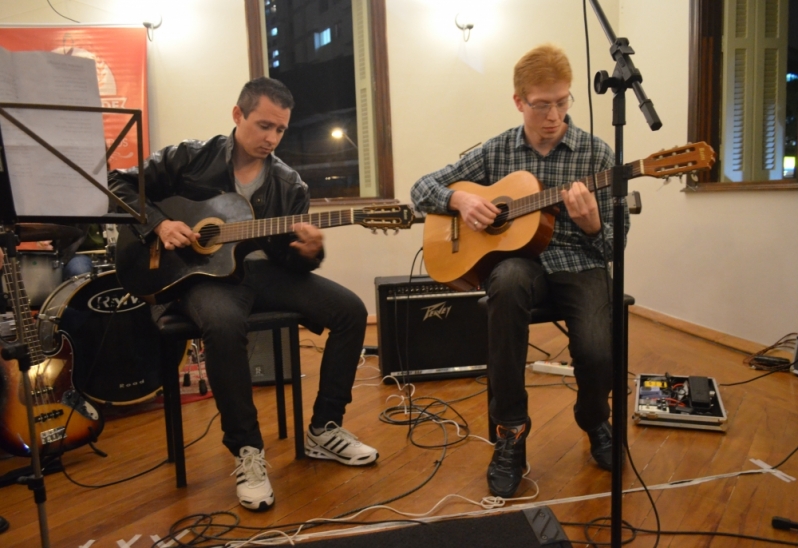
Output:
(151, 25)
(338, 133)
(464, 23)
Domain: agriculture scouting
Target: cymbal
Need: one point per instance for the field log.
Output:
(35, 232)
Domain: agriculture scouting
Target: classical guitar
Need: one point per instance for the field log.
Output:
(64, 420)
(148, 270)
(461, 258)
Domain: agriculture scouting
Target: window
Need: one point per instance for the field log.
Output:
(322, 38)
(339, 80)
(745, 103)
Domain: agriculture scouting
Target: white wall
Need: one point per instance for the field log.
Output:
(724, 261)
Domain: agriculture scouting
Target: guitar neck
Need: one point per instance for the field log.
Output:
(27, 331)
(551, 196)
(261, 228)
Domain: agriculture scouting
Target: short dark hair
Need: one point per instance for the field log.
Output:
(270, 88)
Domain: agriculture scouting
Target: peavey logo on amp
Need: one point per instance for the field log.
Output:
(440, 311)
(114, 300)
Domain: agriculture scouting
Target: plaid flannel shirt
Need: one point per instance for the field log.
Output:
(570, 249)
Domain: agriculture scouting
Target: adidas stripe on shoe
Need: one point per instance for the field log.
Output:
(336, 443)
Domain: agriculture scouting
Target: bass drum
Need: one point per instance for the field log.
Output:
(41, 273)
(117, 347)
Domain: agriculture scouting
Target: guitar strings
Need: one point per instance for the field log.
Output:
(551, 196)
(258, 228)
(41, 393)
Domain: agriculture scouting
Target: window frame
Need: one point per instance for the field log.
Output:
(255, 22)
(704, 91)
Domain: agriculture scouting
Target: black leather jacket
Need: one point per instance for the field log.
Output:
(200, 170)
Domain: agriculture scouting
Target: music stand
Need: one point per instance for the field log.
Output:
(8, 217)
(625, 76)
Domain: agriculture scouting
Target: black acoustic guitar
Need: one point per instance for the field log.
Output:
(149, 271)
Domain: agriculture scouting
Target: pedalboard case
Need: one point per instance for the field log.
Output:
(679, 402)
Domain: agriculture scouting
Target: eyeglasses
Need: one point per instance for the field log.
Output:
(542, 109)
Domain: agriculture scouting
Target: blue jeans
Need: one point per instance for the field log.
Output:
(77, 265)
(221, 310)
(514, 287)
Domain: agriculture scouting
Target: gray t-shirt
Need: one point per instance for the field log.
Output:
(247, 191)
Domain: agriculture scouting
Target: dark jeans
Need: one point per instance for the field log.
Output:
(221, 310)
(517, 285)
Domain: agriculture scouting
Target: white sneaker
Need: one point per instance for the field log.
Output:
(252, 483)
(335, 443)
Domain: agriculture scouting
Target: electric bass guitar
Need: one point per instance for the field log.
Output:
(63, 419)
(148, 270)
(461, 258)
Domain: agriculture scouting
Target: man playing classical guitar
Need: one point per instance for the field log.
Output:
(570, 273)
(276, 277)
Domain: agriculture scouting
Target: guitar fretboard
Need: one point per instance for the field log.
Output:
(26, 332)
(261, 228)
(551, 196)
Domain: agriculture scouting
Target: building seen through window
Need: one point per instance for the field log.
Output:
(312, 51)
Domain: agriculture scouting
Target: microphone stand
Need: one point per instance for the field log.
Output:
(624, 77)
(19, 351)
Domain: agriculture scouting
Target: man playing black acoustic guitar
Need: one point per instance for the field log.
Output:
(276, 277)
(570, 274)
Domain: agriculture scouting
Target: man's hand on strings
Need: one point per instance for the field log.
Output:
(309, 240)
(582, 207)
(175, 234)
(477, 212)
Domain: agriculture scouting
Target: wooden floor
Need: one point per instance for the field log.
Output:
(762, 424)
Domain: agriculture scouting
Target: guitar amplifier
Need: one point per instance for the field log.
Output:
(260, 349)
(427, 331)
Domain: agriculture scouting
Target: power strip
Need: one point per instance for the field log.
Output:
(553, 368)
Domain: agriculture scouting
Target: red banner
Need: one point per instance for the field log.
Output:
(120, 55)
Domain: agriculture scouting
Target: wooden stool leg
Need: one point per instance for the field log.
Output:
(296, 388)
(279, 382)
(491, 424)
(173, 414)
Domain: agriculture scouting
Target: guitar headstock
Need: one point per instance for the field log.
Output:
(684, 159)
(386, 216)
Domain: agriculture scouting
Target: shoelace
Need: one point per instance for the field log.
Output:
(253, 466)
(505, 446)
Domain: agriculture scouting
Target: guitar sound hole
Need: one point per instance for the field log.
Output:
(501, 218)
(208, 235)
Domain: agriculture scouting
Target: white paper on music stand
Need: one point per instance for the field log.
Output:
(41, 183)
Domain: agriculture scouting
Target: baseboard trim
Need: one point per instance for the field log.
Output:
(735, 343)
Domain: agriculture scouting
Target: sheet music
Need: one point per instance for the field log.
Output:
(41, 183)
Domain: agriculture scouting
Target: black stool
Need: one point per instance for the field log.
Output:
(546, 314)
(179, 327)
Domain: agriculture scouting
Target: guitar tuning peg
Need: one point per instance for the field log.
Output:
(385, 231)
(373, 230)
(694, 176)
(395, 231)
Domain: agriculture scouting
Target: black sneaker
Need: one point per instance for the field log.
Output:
(506, 469)
(601, 445)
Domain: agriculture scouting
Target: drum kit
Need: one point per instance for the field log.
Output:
(117, 347)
